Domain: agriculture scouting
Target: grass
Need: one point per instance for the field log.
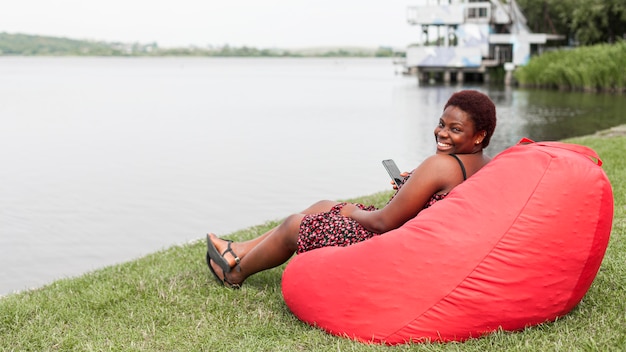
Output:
(589, 68)
(168, 301)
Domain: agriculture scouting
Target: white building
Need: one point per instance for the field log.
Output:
(468, 36)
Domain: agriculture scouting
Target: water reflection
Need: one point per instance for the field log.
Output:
(553, 115)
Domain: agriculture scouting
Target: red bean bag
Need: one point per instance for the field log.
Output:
(517, 244)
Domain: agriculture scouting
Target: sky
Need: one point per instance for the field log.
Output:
(255, 23)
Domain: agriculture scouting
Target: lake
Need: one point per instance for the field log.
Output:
(103, 160)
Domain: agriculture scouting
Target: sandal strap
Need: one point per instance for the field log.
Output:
(230, 250)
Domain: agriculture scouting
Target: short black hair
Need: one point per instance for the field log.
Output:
(479, 108)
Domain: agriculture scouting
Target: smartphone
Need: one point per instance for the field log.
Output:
(393, 171)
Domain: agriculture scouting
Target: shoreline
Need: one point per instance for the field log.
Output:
(616, 131)
(168, 300)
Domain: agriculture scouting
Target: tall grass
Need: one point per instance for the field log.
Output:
(591, 68)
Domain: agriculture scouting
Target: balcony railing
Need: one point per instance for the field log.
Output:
(441, 15)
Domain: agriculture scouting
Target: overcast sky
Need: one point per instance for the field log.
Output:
(257, 23)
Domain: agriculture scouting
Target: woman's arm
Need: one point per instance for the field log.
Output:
(437, 174)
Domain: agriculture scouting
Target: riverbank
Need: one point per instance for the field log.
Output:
(169, 301)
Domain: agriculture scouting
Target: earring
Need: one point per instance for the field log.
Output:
(477, 142)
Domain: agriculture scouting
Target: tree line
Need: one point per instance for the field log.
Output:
(583, 22)
(36, 45)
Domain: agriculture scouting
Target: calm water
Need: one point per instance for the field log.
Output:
(103, 160)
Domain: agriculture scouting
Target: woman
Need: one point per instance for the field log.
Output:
(464, 130)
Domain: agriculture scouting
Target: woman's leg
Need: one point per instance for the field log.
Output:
(275, 249)
(269, 250)
(242, 248)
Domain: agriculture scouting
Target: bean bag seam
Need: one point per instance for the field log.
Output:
(594, 242)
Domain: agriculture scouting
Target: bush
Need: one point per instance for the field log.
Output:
(591, 68)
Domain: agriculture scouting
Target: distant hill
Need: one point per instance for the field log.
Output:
(36, 45)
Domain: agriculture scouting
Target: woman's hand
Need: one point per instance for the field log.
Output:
(405, 175)
(348, 209)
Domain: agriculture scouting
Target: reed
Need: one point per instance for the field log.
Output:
(589, 68)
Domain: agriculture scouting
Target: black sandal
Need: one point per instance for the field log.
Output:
(219, 258)
(224, 282)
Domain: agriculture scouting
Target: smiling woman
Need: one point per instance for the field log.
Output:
(464, 129)
(464, 115)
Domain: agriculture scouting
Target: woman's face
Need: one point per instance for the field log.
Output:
(456, 134)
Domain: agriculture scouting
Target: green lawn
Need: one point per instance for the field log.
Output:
(168, 301)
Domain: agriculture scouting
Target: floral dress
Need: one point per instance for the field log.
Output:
(333, 229)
